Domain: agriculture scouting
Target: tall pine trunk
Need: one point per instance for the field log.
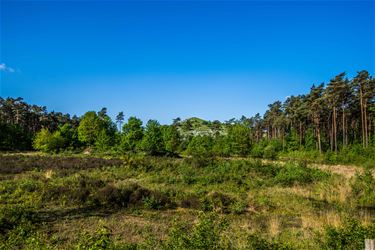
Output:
(366, 121)
(362, 117)
(334, 128)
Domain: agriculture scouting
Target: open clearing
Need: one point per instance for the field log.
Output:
(140, 201)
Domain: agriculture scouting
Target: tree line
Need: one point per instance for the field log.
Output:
(329, 118)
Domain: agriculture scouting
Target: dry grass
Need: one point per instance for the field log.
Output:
(274, 226)
(313, 221)
(48, 174)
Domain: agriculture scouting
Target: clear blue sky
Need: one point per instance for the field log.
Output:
(167, 59)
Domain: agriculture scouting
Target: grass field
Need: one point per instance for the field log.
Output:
(137, 202)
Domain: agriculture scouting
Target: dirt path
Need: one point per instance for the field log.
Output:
(344, 170)
(347, 171)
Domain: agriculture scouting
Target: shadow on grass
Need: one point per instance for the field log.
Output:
(59, 214)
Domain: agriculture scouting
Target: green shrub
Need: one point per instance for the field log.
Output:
(238, 207)
(96, 241)
(205, 234)
(270, 152)
(18, 228)
(48, 142)
(256, 242)
(156, 200)
(200, 146)
(12, 216)
(292, 174)
(363, 188)
(351, 235)
(257, 151)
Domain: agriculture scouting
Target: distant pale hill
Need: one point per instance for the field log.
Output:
(196, 126)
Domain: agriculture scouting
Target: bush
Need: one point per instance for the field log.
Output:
(156, 200)
(363, 188)
(18, 228)
(270, 152)
(205, 234)
(256, 242)
(99, 240)
(12, 216)
(351, 235)
(257, 151)
(295, 174)
(48, 142)
(200, 147)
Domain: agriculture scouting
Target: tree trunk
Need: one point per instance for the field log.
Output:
(335, 122)
(300, 134)
(343, 127)
(362, 116)
(365, 120)
(319, 140)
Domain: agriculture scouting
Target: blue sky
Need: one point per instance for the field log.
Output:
(167, 59)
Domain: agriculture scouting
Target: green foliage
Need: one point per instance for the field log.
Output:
(221, 146)
(292, 141)
(351, 235)
(89, 128)
(70, 135)
(96, 241)
(171, 138)
(353, 154)
(13, 137)
(363, 188)
(310, 141)
(205, 234)
(292, 174)
(257, 151)
(152, 142)
(234, 197)
(132, 134)
(18, 228)
(104, 141)
(270, 149)
(49, 142)
(270, 152)
(200, 146)
(239, 138)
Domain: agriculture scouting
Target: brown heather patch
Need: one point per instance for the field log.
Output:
(15, 164)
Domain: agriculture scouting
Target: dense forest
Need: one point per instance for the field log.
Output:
(331, 118)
